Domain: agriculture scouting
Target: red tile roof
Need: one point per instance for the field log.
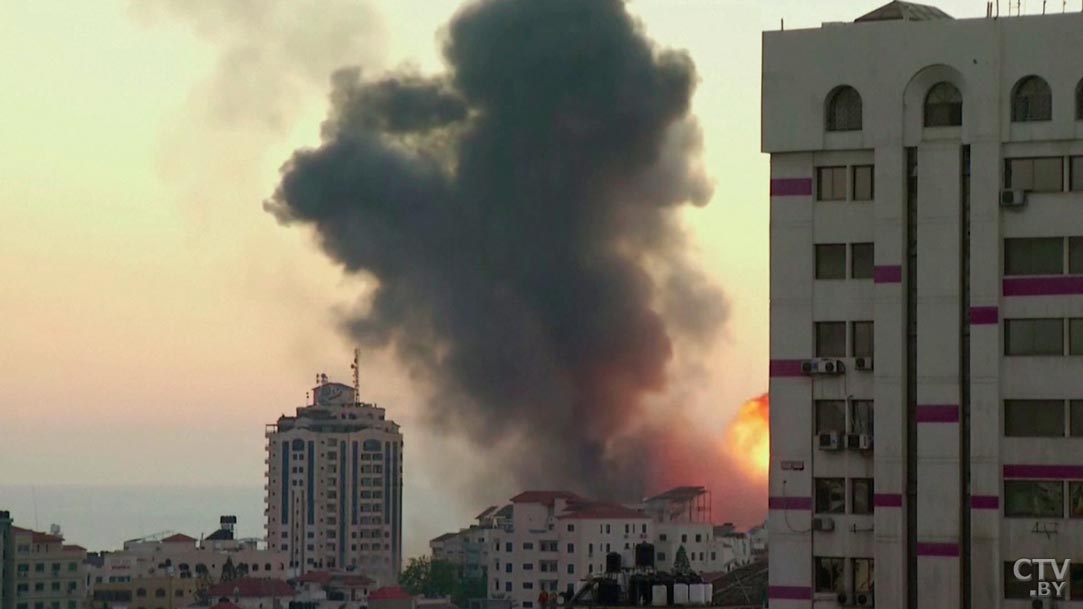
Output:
(599, 510)
(547, 498)
(225, 604)
(489, 510)
(335, 579)
(38, 536)
(390, 593)
(251, 587)
(179, 538)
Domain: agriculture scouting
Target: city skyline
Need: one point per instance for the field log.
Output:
(153, 302)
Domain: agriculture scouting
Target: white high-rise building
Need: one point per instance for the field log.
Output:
(334, 485)
(926, 198)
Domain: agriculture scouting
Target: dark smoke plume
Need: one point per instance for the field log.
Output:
(519, 215)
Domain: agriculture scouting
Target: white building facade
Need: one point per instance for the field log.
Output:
(926, 200)
(334, 486)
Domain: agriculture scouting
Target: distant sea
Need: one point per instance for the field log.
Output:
(102, 517)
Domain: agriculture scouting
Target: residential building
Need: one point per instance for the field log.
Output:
(40, 571)
(554, 540)
(252, 593)
(469, 548)
(334, 485)
(926, 198)
(333, 590)
(170, 570)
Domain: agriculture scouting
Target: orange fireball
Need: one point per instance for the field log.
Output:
(748, 436)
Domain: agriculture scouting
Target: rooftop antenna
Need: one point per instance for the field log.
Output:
(1043, 5)
(356, 366)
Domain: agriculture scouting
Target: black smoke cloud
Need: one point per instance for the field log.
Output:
(519, 215)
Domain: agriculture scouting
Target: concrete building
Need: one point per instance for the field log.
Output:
(334, 485)
(252, 593)
(40, 571)
(926, 198)
(554, 540)
(469, 548)
(332, 589)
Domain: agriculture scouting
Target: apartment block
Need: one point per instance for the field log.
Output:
(39, 570)
(926, 242)
(334, 485)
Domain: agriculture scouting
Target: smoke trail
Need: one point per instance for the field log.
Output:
(519, 216)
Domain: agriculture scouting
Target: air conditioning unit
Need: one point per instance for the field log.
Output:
(823, 524)
(863, 363)
(843, 600)
(829, 440)
(852, 441)
(822, 366)
(863, 599)
(864, 441)
(1014, 199)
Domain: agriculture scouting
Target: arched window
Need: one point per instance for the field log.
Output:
(1079, 101)
(159, 593)
(1032, 100)
(943, 106)
(844, 110)
(141, 592)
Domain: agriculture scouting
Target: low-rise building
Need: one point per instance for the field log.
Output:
(252, 593)
(333, 589)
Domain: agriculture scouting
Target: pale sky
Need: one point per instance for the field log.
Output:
(153, 318)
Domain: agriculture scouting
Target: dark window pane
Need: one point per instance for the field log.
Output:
(1075, 336)
(1075, 408)
(1034, 256)
(831, 339)
(831, 183)
(844, 110)
(863, 183)
(861, 496)
(830, 495)
(861, 260)
(1075, 255)
(1033, 418)
(862, 338)
(1034, 337)
(861, 417)
(831, 261)
(1034, 498)
(1032, 100)
(1013, 587)
(1075, 499)
(1077, 173)
(830, 415)
(829, 575)
(943, 106)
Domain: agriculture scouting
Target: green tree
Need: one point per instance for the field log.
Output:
(468, 588)
(681, 566)
(429, 578)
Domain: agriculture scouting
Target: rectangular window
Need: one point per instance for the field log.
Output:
(861, 260)
(862, 339)
(861, 417)
(1034, 337)
(1077, 183)
(830, 495)
(863, 183)
(1075, 499)
(1034, 418)
(831, 261)
(1035, 175)
(831, 183)
(1075, 576)
(830, 339)
(830, 416)
(1034, 256)
(1075, 418)
(1013, 587)
(1033, 499)
(863, 575)
(829, 575)
(1075, 255)
(1075, 337)
(861, 496)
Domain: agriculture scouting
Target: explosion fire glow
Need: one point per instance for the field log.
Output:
(748, 436)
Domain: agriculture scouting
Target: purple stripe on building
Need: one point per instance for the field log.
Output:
(789, 593)
(1054, 472)
(785, 367)
(938, 413)
(887, 273)
(791, 187)
(938, 549)
(1043, 286)
(983, 316)
(789, 503)
(984, 502)
(887, 500)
